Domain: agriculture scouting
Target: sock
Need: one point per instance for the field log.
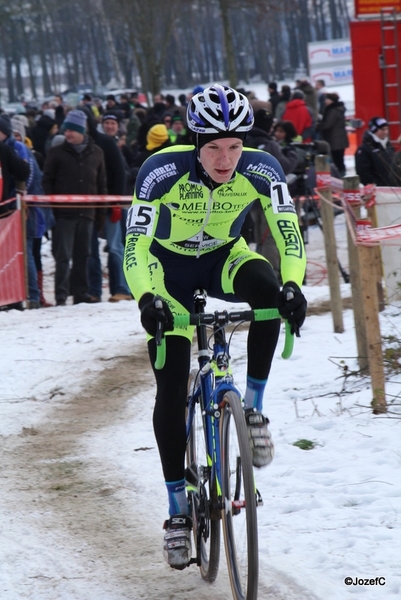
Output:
(254, 393)
(177, 497)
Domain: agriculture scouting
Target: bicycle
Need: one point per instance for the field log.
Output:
(219, 471)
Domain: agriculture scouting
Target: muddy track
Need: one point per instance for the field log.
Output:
(98, 538)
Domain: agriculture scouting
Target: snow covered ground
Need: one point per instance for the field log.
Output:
(83, 498)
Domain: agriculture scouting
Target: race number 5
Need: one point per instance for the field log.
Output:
(140, 219)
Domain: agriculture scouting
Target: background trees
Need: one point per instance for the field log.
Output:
(47, 46)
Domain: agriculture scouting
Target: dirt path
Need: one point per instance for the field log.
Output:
(87, 518)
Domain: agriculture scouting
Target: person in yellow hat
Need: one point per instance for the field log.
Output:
(157, 138)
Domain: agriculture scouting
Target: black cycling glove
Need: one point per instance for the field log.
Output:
(292, 304)
(151, 316)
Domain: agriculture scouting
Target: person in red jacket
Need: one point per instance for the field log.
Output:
(300, 116)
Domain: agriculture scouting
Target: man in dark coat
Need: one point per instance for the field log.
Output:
(333, 130)
(74, 167)
(374, 157)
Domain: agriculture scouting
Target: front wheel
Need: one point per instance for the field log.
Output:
(239, 498)
(202, 491)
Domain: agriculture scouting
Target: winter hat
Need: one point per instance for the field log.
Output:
(263, 120)
(18, 126)
(157, 136)
(177, 118)
(333, 97)
(76, 121)
(22, 119)
(5, 124)
(198, 89)
(50, 112)
(375, 123)
(298, 95)
(110, 115)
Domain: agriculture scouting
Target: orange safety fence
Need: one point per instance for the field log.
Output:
(361, 230)
(12, 271)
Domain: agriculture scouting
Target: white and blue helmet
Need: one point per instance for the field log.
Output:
(219, 109)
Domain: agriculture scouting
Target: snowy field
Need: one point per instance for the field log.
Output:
(83, 498)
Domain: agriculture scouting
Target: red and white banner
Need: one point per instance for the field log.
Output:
(12, 278)
(367, 235)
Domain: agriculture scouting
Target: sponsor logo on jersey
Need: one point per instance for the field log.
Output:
(263, 170)
(199, 241)
(190, 191)
(155, 176)
(291, 236)
(227, 190)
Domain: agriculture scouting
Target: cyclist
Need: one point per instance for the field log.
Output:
(183, 232)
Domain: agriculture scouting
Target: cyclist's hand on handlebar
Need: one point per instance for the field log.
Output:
(151, 315)
(292, 304)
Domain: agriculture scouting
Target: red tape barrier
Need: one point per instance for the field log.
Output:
(70, 200)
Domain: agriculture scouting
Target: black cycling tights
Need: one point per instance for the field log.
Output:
(256, 284)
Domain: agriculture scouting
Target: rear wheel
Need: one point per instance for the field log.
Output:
(201, 492)
(239, 496)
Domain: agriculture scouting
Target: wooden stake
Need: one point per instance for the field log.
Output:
(368, 265)
(326, 210)
(351, 184)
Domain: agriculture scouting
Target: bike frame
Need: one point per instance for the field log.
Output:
(215, 379)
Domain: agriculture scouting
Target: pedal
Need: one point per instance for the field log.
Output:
(259, 499)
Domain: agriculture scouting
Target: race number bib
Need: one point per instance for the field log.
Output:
(140, 219)
(280, 197)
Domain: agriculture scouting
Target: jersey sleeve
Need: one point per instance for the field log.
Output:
(141, 222)
(282, 219)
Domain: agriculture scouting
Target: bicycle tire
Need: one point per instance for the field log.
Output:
(239, 496)
(206, 527)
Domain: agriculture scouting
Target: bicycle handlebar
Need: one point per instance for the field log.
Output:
(223, 318)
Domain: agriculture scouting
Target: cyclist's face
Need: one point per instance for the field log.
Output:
(220, 157)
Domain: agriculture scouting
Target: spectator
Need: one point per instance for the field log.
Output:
(157, 138)
(333, 130)
(88, 101)
(59, 111)
(125, 107)
(116, 177)
(274, 96)
(261, 137)
(310, 96)
(300, 116)
(258, 104)
(375, 156)
(74, 167)
(39, 222)
(173, 108)
(42, 133)
(321, 95)
(111, 102)
(284, 98)
(178, 133)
